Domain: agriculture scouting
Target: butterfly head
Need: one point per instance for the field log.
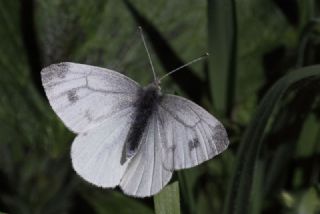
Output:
(153, 89)
(156, 85)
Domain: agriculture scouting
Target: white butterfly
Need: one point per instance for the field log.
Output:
(129, 135)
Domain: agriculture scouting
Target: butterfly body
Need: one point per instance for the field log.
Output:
(127, 135)
(145, 106)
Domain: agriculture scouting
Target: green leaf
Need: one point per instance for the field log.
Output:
(241, 182)
(222, 49)
(168, 200)
(310, 202)
(307, 142)
(307, 10)
(257, 188)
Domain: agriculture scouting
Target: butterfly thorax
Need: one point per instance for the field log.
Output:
(145, 106)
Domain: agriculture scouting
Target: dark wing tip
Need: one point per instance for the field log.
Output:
(58, 70)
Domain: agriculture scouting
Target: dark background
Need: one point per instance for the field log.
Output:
(252, 44)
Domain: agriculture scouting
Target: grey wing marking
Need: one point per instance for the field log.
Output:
(192, 134)
(84, 96)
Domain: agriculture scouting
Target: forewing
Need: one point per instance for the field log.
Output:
(191, 134)
(145, 174)
(96, 154)
(84, 96)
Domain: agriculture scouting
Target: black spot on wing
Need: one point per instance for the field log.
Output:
(72, 96)
(194, 143)
(220, 138)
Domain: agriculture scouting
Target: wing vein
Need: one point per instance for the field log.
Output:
(53, 84)
(160, 141)
(176, 117)
(203, 142)
(154, 156)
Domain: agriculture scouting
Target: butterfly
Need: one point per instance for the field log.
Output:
(128, 135)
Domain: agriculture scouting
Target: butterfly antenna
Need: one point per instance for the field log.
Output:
(145, 46)
(185, 65)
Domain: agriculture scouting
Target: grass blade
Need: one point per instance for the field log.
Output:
(222, 30)
(241, 182)
(168, 200)
(30, 40)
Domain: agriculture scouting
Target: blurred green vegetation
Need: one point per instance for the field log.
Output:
(261, 80)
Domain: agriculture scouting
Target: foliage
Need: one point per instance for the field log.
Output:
(261, 80)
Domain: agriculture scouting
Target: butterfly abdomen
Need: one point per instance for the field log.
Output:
(145, 106)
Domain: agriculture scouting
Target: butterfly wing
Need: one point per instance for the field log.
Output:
(191, 134)
(145, 174)
(179, 135)
(84, 96)
(96, 154)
